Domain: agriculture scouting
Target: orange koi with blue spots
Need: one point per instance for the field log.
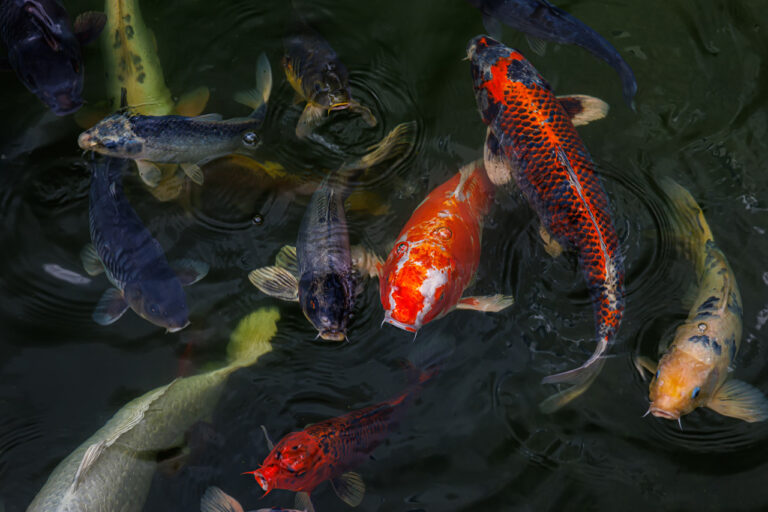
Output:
(532, 136)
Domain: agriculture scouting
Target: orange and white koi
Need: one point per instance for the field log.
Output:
(437, 254)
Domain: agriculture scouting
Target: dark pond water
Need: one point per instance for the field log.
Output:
(475, 438)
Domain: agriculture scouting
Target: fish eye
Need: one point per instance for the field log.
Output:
(695, 392)
(312, 305)
(401, 247)
(657, 373)
(250, 139)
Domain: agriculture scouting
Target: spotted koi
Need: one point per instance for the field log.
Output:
(531, 134)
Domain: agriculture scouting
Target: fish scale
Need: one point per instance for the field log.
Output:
(554, 171)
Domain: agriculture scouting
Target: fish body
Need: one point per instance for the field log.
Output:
(322, 272)
(542, 20)
(437, 253)
(695, 369)
(133, 260)
(318, 76)
(534, 137)
(189, 141)
(113, 469)
(44, 49)
(327, 450)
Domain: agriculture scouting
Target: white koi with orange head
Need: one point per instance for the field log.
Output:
(437, 254)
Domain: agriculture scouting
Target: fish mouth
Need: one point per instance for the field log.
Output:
(333, 335)
(86, 141)
(338, 106)
(661, 413)
(262, 481)
(178, 328)
(401, 325)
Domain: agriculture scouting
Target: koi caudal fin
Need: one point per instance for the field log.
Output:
(258, 97)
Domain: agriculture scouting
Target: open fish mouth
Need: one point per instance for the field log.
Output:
(661, 413)
(338, 106)
(87, 141)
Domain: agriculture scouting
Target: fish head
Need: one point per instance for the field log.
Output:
(495, 69)
(288, 462)
(159, 301)
(418, 282)
(330, 88)
(681, 384)
(327, 299)
(49, 63)
(115, 135)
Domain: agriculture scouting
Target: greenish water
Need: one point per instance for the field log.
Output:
(475, 438)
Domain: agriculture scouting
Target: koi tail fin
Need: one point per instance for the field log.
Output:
(689, 227)
(258, 97)
(394, 147)
(250, 339)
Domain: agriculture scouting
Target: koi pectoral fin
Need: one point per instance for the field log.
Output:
(738, 399)
(276, 282)
(288, 259)
(488, 303)
(310, 119)
(364, 112)
(149, 172)
(498, 167)
(216, 500)
(584, 372)
(190, 271)
(268, 439)
(551, 245)
(91, 261)
(303, 502)
(538, 46)
(194, 172)
(583, 109)
(350, 488)
(645, 363)
(110, 308)
(192, 103)
(366, 262)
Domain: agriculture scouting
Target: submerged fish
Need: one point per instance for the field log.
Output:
(437, 254)
(189, 141)
(327, 450)
(113, 469)
(134, 74)
(133, 260)
(321, 272)
(531, 137)
(539, 19)
(694, 371)
(216, 500)
(44, 49)
(318, 76)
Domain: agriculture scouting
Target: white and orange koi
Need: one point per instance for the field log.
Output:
(437, 254)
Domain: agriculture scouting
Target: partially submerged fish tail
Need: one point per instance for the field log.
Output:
(395, 146)
(251, 337)
(216, 500)
(689, 227)
(258, 97)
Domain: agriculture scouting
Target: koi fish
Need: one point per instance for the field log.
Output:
(532, 139)
(694, 371)
(321, 272)
(113, 469)
(539, 20)
(318, 76)
(216, 500)
(437, 254)
(133, 260)
(329, 449)
(189, 141)
(44, 49)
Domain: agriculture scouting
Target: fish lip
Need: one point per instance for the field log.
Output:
(86, 141)
(338, 106)
(661, 413)
(262, 481)
(177, 329)
(333, 335)
(406, 327)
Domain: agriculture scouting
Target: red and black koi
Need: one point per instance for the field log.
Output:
(329, 449)
(532, 136)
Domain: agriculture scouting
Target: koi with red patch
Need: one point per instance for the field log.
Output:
(437, 254)
(329, 449)
(531, 137)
